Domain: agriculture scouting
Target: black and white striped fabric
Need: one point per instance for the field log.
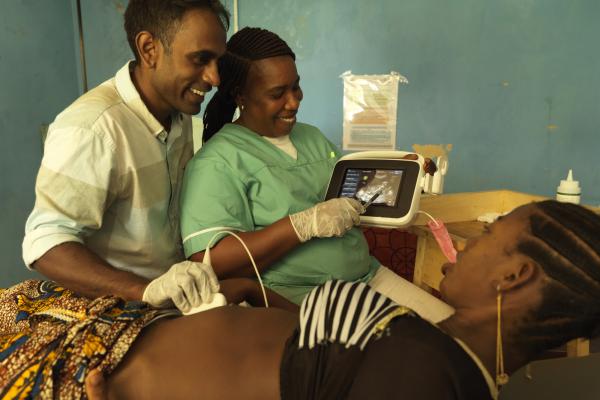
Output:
(344, 312)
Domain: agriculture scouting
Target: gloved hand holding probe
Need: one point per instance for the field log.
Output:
(186, 284)
(329, 218)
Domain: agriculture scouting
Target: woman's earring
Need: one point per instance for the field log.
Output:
(501, 376)
(241, 107)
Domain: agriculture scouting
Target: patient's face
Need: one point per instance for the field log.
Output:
(271, 97)
(472, 281)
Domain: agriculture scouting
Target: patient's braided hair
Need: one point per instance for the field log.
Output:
(245, 46)
(564, 239)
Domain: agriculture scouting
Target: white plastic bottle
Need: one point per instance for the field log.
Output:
(569, 190)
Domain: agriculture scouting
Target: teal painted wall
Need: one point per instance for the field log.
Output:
(490, 77)
(106, 48)
(38, 78)
(512, 84)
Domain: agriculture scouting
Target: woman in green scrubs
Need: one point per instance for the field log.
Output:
(264, 176)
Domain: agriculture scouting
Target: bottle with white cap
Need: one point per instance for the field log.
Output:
(569, 190)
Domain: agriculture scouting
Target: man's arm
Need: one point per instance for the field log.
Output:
(75, 185)
(78, 269)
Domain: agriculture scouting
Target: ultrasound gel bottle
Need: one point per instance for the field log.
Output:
(569, 190)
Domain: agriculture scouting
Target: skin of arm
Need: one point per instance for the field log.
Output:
(230, 260)
(237, 290)
(76, 268)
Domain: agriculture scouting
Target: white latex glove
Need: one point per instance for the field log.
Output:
(186, 284)
(330, 218)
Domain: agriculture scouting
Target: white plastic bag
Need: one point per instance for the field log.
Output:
(370, 110)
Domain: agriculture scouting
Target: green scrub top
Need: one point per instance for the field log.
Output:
(240, 181)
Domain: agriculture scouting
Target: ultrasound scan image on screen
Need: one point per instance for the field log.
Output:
(363, 184)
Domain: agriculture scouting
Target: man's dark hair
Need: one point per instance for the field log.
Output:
(244, 47)
(564, 240)
(162, 18)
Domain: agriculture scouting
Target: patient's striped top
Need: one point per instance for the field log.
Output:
(345, 312)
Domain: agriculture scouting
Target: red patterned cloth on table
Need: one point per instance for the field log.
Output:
(50, 338)
(393, 248)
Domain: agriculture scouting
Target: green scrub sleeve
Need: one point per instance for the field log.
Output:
(213, 199)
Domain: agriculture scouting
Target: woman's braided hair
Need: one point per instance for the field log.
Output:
(564, 239)
(245, 46)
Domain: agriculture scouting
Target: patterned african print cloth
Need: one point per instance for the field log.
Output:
(50, 338)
